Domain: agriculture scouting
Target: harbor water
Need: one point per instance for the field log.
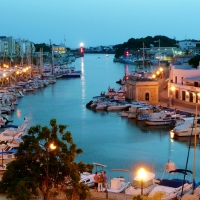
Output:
(104, 136)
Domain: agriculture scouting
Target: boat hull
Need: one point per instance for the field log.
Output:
(159, 123)
(71, 75)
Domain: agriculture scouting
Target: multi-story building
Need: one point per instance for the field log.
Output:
(7, 45)
(184, 83)
(59, 49)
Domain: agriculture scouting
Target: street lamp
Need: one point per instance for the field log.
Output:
(48, 147)
(142, 174)
(171, 95)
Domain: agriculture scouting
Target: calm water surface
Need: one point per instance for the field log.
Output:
(104, 136)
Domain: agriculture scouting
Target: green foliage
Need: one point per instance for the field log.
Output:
(134, 44)
(194, 61)
(46, 48)
(39, 166)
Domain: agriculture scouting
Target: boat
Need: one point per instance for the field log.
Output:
(162, 118)
(118, 184)
(124, 113)
(88, 177)
(101, 106)
(115, 106)
(186, 129)
(144, 112)
(148, 184)
(174, 187)
(72, 74)
(9, 134)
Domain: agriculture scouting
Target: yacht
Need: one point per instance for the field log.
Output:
(148, 184)
(186, 129)
(118, 184)
(162, 118)
(172, 188)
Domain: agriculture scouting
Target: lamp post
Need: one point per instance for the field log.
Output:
(141, 175)
(48, 147)
(172, 95)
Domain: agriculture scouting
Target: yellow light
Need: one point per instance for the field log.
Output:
(198, 94)
(172, 134)
(142, 173)
(158, 72)
(4, 75)
(153, 76)
(52, 146)
(161, 69)
(172, 88)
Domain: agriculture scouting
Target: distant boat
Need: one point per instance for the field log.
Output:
(72, 74)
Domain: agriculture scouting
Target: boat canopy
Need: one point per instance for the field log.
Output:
(98, 164)
(119, 170)
(183, 171)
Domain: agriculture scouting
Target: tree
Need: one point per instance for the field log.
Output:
(194, 61)
(45, 161)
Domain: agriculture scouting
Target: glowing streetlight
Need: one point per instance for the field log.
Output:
(161, 69)
(153, 76)
(142, 174)
(172, 88)
(81, 44)
(52, 146)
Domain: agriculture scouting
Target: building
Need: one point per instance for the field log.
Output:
(142, 89)
(186, 44)
(184, 83)
(59, 49)
(7, 45)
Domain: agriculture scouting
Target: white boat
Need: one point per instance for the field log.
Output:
(162, 118)
(118, 184)
(144, 112)
(148, 185)
(116, 106)
(185, 129)
(124, 113)
(88, 178)
(13, 133)
(101, 106)
(172, 188)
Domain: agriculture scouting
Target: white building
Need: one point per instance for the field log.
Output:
(186, 45)
(184, 83)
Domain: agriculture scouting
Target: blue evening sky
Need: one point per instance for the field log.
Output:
(98, 22)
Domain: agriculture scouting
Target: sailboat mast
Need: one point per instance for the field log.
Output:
(159, 54)
(143, 56)
(195, 142)
(52, 61)
(41, 60)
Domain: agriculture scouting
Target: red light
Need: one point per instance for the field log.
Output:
(81, 49)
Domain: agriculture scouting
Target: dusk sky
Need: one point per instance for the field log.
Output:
(98, 22)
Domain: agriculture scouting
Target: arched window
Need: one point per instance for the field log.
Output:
(147, 96)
